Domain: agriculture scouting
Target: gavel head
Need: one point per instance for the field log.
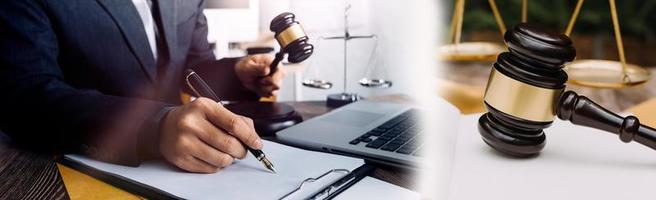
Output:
(292, 38)
(523, 90)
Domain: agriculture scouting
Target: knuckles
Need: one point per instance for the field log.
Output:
(196, 104)
(242, 154)
(179, 161)
(228, 141)
(182, 144)
(248, 120)
(225, 160)
(233, 125)
(250, 138)
(185, 123)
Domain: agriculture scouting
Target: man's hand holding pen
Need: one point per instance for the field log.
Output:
(203, 136)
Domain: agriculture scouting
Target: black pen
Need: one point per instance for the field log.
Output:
(198, 86)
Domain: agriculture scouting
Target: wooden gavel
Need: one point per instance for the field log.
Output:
(526, 90)
(292, 39)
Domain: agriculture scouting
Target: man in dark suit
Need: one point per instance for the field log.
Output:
(102, 78)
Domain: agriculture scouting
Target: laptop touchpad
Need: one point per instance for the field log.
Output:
(353, 118)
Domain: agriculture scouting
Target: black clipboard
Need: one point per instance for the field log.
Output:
(146, 191)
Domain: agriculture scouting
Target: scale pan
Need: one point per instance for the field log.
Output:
(318, 84)
(375, 83)
(605, 74)
(470, 51)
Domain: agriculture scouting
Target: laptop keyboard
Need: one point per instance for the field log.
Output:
(399, 135)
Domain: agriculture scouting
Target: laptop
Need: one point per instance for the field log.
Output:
(379, 132)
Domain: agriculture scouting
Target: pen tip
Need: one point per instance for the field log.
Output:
(268, 164)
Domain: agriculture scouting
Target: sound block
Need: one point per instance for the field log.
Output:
(338, 100)
(268, 117)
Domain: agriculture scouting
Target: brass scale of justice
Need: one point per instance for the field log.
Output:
(589, 72)
(374, 77)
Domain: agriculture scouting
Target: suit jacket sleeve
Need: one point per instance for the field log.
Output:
(219, 74)
(41, 111)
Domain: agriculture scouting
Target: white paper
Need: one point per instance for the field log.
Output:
(577, 163)
(371, 188)
(245, 179)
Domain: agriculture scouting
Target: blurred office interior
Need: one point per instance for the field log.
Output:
(237, 25)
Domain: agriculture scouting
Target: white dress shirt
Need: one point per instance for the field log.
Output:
(143, 7)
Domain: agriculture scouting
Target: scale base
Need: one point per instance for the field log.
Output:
(338, 100)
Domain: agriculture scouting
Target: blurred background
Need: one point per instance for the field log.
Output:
(463, 82)
(236, 25)
(593, 31)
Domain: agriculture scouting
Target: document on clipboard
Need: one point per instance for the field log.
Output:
(301, 174)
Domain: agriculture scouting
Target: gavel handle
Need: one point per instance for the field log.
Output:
(276, 61)
(582, 111)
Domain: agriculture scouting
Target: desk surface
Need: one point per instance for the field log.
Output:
(27, 175)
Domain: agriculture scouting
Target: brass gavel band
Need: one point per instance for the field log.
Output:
(520, 99)
(290, 34)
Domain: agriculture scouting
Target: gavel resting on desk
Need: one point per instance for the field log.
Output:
(526, 90)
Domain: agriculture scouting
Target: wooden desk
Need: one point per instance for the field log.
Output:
(26, 175)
